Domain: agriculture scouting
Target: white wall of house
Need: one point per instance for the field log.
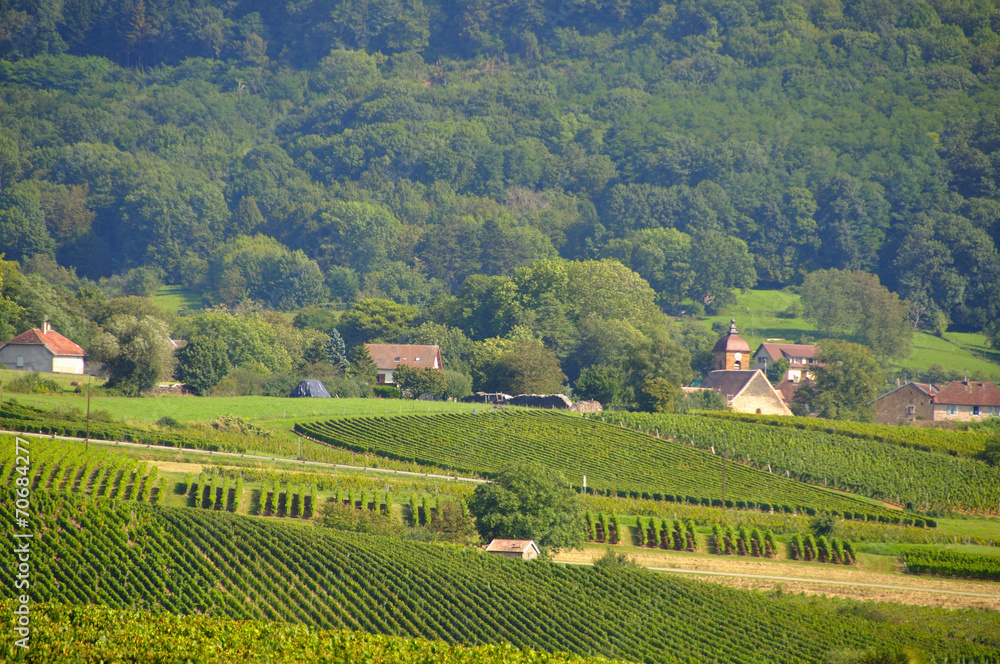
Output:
(67, 365)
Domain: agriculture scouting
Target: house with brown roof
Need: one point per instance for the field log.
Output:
(389, 356)
(43, 350)
(801, 359)
(966, 400)
(907, 403)
(508, 548)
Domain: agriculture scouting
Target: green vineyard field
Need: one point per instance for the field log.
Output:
(966, 443)
(74, 634)
(952, 563)
(901, 475)
(613, 458)
(136, 556)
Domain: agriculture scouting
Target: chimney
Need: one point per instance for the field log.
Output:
(46, 326)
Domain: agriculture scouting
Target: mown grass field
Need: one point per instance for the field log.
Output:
(177, 299)
(7, 376)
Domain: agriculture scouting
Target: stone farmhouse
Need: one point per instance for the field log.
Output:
(523, 549)
(966, 400)
(43, 350)
(908, 403)
(389, 356)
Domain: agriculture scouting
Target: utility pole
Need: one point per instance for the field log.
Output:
(86, 441)
(299, 455)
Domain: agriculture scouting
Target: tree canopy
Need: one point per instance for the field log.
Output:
(525, 501)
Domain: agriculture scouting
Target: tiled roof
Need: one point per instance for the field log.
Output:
(732, 341)
(787, 388)
(969, 393)
(510, 546)
(728, 383)
(389, 356)
(777, 351)
(55, 342)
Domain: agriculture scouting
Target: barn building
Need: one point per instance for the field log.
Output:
(523, 549)
(43, 350)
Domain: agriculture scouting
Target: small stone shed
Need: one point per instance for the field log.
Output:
(508, 548)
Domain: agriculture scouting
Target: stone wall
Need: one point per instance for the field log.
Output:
(907, 404)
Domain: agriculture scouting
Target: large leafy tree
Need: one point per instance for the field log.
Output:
(527, 501)
(856, 305)
(375, 320)
(202, 363)
(135, 350)
(521, 366)
(848, 378)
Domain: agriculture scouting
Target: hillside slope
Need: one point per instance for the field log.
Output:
(185, 561)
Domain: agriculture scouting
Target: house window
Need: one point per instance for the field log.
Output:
(396, 360)
(910, 410)
(974, 410)
(20, 362)
(738, 365)
(417, 360)
(952, 409)
(381, 379)
(994, 410)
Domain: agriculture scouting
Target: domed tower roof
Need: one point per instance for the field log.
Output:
(732, 342)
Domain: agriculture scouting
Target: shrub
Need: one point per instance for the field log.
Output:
(387, 392)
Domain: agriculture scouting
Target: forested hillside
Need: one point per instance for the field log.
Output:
(299, 153)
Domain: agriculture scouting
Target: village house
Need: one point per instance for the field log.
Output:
(966, 400)
(389, 356)
(745, 390)
(523, 549)
(907, 403)
(43, 350)
(801, 359)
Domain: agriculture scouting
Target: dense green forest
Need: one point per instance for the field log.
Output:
(561, 173)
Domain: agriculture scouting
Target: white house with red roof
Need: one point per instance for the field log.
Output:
(43, 350)
(389, 356)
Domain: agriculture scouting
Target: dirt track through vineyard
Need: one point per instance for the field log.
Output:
(828, 580)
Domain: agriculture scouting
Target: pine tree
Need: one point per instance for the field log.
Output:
(691, 535)
(798, 547)
(756, 546)
(770, 547)
(730, 539)
(336, 350)
(850, 556)
(247, 217)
